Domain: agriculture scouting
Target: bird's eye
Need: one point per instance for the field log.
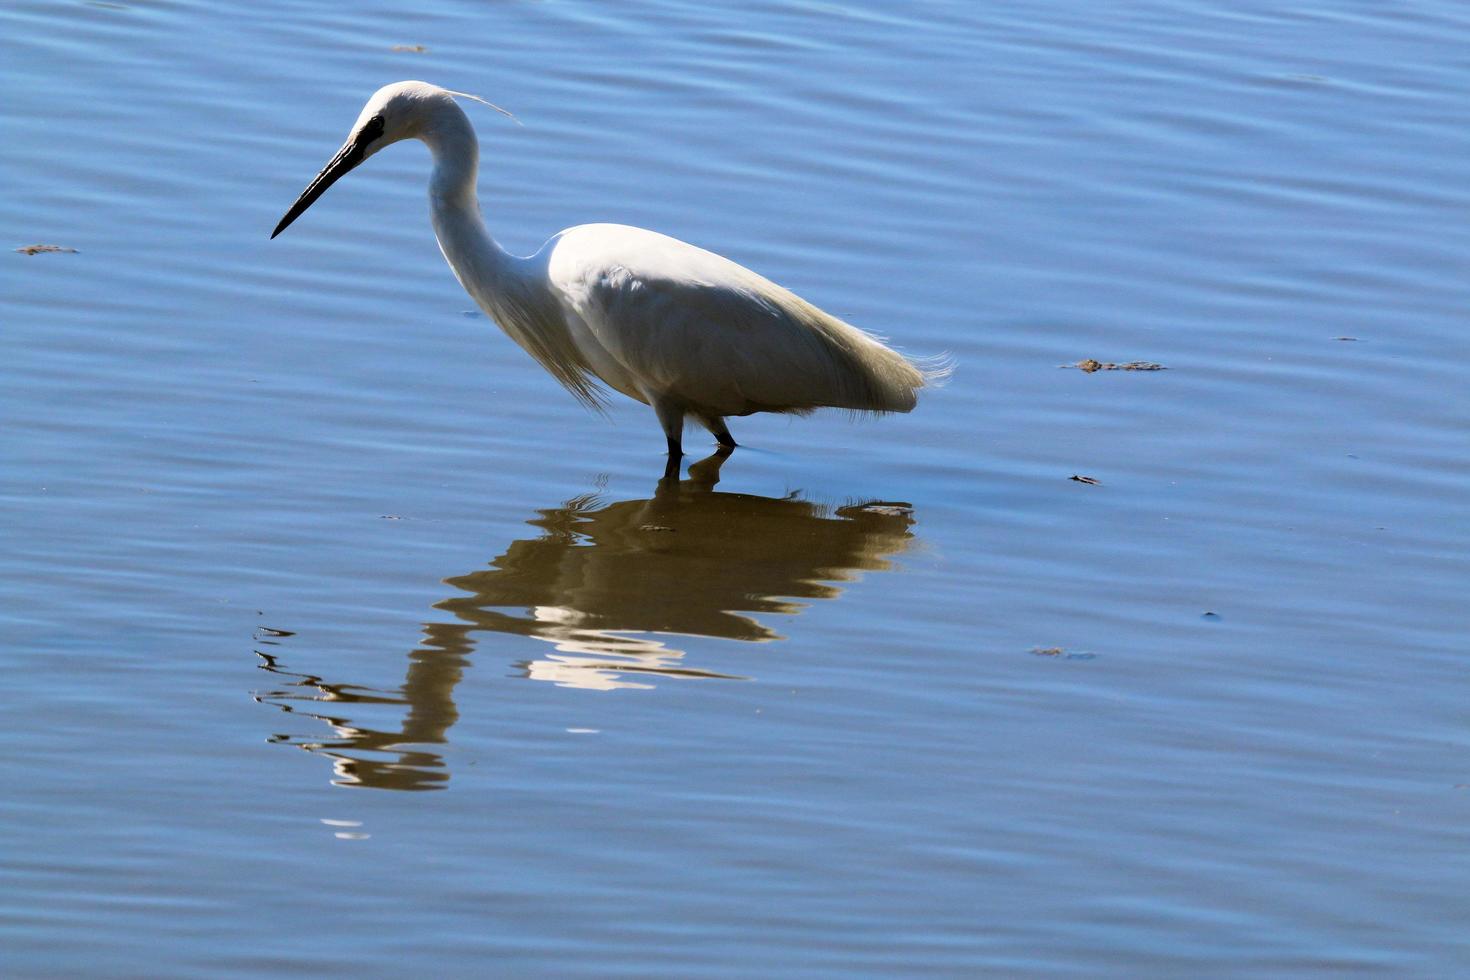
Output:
(370, 131)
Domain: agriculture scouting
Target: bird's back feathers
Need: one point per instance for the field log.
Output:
(688, 325)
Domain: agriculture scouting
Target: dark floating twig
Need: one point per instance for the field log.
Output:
(1090, 481)
(1061, 654)
(1088, 365)
(39, 249)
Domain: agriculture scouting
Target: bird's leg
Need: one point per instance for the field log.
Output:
(721, 432)
(671, 417)
(671, 468)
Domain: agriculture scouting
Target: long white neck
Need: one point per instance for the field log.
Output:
(513, 291)
(477, 259)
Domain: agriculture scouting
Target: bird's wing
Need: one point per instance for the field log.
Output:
(696, 327)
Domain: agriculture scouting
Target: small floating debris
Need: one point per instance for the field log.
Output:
(663, 528)
(1351, 339)
(1090, 481)
(1061, 653)
(389, 517)
(1209, 615)
(411, 48)
(39, 249)
(272, 631)
(1088, 365)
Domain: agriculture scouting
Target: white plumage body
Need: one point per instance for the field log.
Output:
(659, 318)
(677, 327)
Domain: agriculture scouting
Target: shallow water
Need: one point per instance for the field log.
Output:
(292, 532)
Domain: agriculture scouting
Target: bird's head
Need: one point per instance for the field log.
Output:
(403, 110)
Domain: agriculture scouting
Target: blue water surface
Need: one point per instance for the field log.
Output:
(340, 640)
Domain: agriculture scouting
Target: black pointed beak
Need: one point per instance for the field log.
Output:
(348, 157)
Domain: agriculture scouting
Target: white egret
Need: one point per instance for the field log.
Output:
(683, 330)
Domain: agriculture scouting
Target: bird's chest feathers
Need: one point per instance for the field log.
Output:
(600, 358)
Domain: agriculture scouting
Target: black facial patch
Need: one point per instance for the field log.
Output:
(370, 131)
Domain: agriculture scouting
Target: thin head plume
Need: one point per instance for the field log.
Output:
(476, 98)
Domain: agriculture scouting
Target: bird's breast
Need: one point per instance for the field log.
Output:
(601, 361)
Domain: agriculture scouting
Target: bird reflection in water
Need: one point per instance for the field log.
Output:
(610, 588)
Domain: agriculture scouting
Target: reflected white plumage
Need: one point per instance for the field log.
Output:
(678, 328)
